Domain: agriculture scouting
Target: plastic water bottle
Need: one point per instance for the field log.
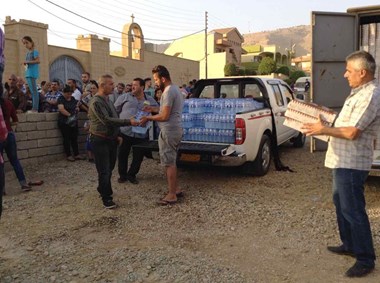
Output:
(191, 106)
(185, 134)
(185, 106)
(231, 136)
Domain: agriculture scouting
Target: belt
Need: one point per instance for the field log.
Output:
(103, 136)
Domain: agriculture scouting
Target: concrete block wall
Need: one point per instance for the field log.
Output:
(40, 140)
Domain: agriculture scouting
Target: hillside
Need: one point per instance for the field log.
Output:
(284, 37)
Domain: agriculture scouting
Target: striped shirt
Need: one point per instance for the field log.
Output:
(362, 111)
(3, 132)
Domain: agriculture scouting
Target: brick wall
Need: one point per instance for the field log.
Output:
(39, 139)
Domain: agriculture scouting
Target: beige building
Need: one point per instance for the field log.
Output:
(254, 53)
(303, 63)
(92, 54)
(223, 46)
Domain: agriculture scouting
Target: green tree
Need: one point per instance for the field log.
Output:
(267, 66)
(230, 69)
(283, 70)
(296, 74)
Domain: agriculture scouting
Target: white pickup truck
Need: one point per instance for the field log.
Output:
(256, 108)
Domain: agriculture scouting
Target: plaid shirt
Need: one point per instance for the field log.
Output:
(3, 132)
(362, 111)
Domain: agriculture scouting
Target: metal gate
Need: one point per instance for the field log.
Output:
(64, 68)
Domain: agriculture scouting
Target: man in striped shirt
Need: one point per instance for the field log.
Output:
(349, 155)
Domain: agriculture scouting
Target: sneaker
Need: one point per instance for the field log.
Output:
(26, 188)
(79, 157)
(70, 158)
(109, 204)
(122, 180)
(359, 270)
(133, 180)
(340, 250)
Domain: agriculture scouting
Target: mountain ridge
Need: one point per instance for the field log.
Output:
(283, 38)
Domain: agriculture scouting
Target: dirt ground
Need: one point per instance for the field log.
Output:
(228, 228)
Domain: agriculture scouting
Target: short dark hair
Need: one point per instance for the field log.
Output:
(147, 79)
(73, 80)
(161, 71)
(55, 81)
(67, 88)
(121, 84)
(87, 73)
(140, 80)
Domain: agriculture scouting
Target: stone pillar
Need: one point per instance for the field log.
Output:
(100, 61)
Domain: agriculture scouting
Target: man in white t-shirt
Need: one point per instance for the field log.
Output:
(76, 92)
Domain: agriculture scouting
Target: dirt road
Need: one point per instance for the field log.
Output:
(228, 228)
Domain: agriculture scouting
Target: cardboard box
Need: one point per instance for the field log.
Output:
(299, 113)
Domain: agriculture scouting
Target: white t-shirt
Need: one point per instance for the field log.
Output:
(77, 95)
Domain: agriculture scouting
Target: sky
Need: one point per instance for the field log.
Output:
(162, 21)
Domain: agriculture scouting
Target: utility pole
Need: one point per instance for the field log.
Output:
(206, 45)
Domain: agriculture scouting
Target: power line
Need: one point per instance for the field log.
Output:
(78, 15)
(161, 5)
(180, 25)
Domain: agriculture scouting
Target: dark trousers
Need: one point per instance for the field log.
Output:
(10, 147)
(137, 157)
(105, 153)
(354, 227)
(2, 184)
(70, 138)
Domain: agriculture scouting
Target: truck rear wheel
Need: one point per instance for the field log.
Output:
(260, 166)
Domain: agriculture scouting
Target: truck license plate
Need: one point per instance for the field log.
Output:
(190, 157)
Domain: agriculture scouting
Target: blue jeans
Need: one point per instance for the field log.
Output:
(105, 153)
(32, 83)
(11, 149)
(354, 227)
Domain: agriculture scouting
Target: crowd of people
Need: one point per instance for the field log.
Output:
(119, 117)
(113, 126)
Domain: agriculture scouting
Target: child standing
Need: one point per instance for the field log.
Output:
(90, 154)
(31, 64)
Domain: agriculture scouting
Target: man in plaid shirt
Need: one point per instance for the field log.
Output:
(350, 156)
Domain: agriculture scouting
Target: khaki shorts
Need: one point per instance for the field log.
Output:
(168, 143)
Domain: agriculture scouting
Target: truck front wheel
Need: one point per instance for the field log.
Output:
(260, 166)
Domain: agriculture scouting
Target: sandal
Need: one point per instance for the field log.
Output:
(163, 202)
